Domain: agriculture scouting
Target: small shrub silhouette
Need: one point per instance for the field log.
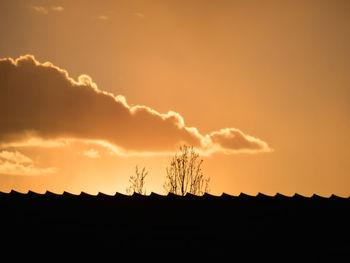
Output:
(137, 182)
(185, 175)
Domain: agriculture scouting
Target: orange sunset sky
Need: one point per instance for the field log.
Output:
(90, 89)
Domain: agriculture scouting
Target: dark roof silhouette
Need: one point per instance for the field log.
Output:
(152, 194)
(233, 224)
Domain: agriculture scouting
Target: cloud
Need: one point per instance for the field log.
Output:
(28, 140)
(40, 102)
(102, 17)
(232, 140)
(57, 8)
(14, 157)
(41, 10)
(10, 168)
(139, 15)
(15, 163)
(45, 10)
(92, 153)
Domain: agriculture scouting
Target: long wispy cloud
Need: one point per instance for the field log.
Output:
(45, 10)
(41, 10)
(16, 163)
(57, 8)
(102, 17)
(39, 101)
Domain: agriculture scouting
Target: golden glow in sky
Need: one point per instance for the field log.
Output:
(90, 89)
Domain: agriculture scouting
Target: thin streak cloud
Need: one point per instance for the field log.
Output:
(41, 10)
(57, 8)
(15, 163)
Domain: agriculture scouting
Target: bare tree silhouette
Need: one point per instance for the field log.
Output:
(184, 175)
(137, 182)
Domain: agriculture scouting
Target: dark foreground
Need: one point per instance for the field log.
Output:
(260, 227)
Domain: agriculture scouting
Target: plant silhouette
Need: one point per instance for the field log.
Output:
(185, 175)
(137, 182)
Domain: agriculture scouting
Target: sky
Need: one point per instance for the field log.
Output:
(90, 89)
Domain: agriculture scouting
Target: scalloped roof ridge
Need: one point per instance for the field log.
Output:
(152, 195)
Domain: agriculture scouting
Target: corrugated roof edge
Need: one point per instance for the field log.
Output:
(171, 195)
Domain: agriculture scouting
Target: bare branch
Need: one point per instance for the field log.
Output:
(184, 175)
(137, 182)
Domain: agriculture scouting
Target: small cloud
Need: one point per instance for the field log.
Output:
(139, 15)
(14, 157)
(31, 141)
(41, 10)
(57, 8)
(15, 163)
(22, 169)
(231, 140)
(102, 17)
(94, 154)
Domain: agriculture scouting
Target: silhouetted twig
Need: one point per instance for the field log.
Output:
(185, 175)
(137, 182)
